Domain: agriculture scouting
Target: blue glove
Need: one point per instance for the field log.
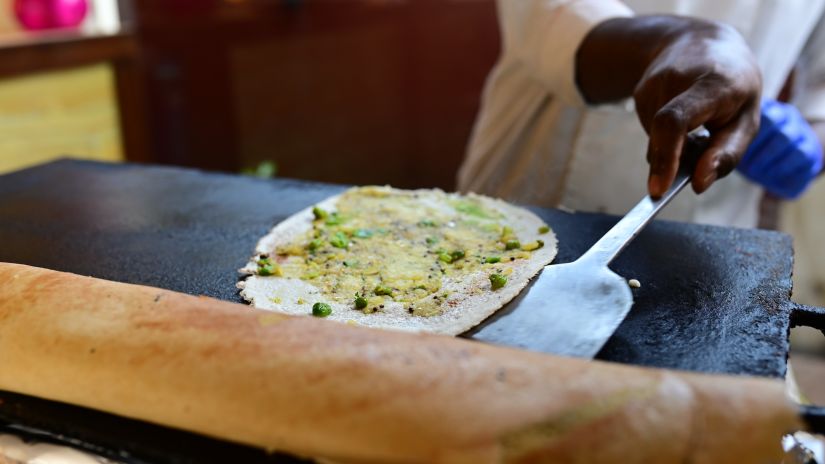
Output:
(786, 154)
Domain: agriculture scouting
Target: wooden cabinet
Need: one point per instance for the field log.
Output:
(341, 91)
(69, 93)
(68, 112)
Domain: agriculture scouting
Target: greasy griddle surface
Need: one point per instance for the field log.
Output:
(712, 299)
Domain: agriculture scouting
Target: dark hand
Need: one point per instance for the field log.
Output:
(682, 73)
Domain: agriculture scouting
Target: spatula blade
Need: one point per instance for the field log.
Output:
(570, 310)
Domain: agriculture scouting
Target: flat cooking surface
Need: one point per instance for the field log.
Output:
(712, 299)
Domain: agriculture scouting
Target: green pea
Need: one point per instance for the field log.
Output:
(445, 257)
(339, 240)
(383, 291)
(360, 302)
(457, 254)
(497, 281)
(544, 229)
(319, 213)
(431, 240)
(492, 260)
(512, 245)
(321, 310)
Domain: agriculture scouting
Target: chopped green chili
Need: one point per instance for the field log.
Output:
(319, 213)
(267, 268)
(315, 244)
(445, 257)
(339, 240)
(383, 291)
(511, 244)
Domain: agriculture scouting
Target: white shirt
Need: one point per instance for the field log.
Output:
(536, 142)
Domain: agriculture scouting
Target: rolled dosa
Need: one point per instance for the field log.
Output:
(326, 389)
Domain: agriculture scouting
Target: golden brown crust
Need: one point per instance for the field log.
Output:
(320, 388)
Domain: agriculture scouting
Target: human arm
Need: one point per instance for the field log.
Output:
(682, 73)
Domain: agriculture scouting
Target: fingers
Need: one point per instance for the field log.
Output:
(727, 145)
(732, 118)
(668, 129)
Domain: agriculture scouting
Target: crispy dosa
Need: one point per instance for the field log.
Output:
(320, 388)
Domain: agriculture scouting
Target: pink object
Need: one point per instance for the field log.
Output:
(50, 14)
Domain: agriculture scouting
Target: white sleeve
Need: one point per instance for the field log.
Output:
(543, 36)
(811, 90)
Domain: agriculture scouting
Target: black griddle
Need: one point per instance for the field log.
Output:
(712, 299)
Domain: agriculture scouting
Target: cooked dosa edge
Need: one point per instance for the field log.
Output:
(327, 389)
(418, 260)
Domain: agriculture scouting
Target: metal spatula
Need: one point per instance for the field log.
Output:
(572, 309)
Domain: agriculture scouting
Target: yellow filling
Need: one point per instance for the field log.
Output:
(388, 246)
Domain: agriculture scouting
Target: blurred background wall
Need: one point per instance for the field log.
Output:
(369, 91)
(354, 91)
(7, 22)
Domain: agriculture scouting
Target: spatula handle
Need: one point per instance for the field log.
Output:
(617, 238)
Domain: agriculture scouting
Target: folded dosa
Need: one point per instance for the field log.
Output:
(326, 389)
